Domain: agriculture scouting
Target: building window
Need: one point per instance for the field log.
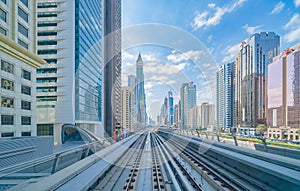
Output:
(23, 30)
(46, 14)
(46, 98)
(47, 5)
(47, 33)
(46, 70)
(49, 51)
(51, 61)
(10, 134)
(44, 129)
(7, 120)
(25, 120)
(46, 89)
(46, 24)
(2, 31)
(3, 15)
(25, 2)
(4, 1)
(7, 102)
(26, 134)
(22, 43)
(7, 67)
(46, 80)
(7, 84)
(22, 14)
(25, 90)
(47, 42)
(26, 105)
(26, 75)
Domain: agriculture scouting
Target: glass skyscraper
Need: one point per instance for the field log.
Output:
(69, 87)
(188, 97)
(225, 95)
(251, 78)
(140, 93)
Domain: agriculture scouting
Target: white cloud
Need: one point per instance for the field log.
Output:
(189, 55)
(205, 19)
(231, 52)
(294, 22)
(127, 56)
(252, 29)
(293, 35)
(277, 8)
(297, 3)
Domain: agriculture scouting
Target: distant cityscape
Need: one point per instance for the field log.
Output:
(61, 63)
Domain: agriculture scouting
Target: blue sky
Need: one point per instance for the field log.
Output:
(202, 36)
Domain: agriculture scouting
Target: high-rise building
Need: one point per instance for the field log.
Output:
(140, 93)
(225, 95)
(170, 108)
(188, 97)
(18, 64)
(132, 86)
(195, 117)
(69, 90)
(126, 108)
(208, 116)
(112, 65)
(284, 95)
(176, 116)
(251, 78)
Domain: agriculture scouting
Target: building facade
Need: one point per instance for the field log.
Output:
(112, 66)
(208, 117)
(70, 86)
(195, 117)
(18, 64)
(170, 108)
(188, 97)
(140, 93)
(251, 78)
(284, 95)
(126, 108)
(132, 86)
(225, 95)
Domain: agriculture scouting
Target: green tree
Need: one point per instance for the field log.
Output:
(261, 129)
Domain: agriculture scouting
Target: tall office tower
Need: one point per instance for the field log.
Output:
(140, 93)
(69, 89)
(208, 116)
(284, 92)
(188, 97)
(195, 117)
(251, 72)
(132, 86)
(170, 108)
(225, 95)
(112, 65)
(176, 115)
(18, 65)
(126, 108)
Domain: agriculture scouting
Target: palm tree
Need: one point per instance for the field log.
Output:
(261, 129)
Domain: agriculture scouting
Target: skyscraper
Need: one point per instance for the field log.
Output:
(170, 108)
(140, 93)
(132, 86)
(112, 65)
(208, 116)
(69, 87)
(251, 72)
(126, 108)
(225, 95)
(188, 97)
(18, 64)
(284, 94)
